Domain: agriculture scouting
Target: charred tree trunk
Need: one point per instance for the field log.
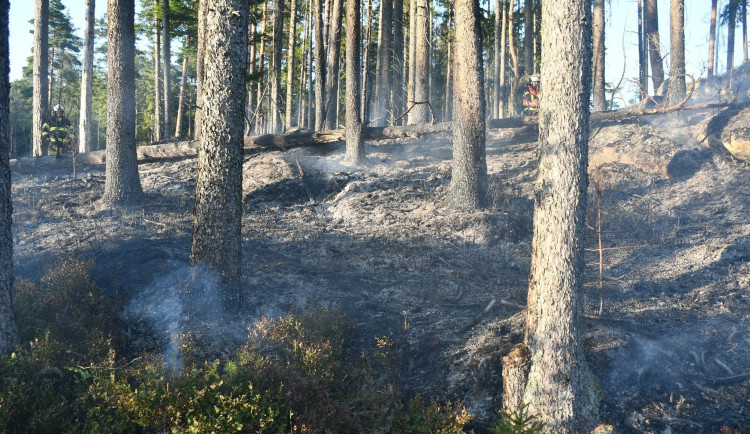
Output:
(642, 55)
(166, 68)
(40, 109)
(412, 52)
(157, 80)
(355, 149)
(183, 90)
(448, 110)
(560, 387)
(654, 47)
(290, 65)
(731, 24)
(199, 69)
(261, 67)
(122, 184)
(383, 65)
(275, 106)
(743, 18)
(334, 57)
(366, 67)
(419, 106)
(217, 226)
(514, 59)
(677, 89)
(87, 74)
(499, 26)
(397, 79)
(712, 40)
(8, 332)
(600, 100)
(468, 188)
(320, 72)
(503, 59)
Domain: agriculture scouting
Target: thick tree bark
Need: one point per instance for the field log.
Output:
(743, 18)
(499, 16)
(366, 67)
(334, 57)
(412, 52)
(468, 188)
(515, 375)
(677, 89)
(278, 33)
(501, 81)
(420, 110)
(8, 333)
(87, 75)
(731, 23)
(600, 101)
(397, 79)
(40, 109)
(180, 123)
(560, 388)
(217, 225)
(642, 55)
(380, 113)
(712, 40)
(448, 109)
(158, 130)
(320, 68)
(199, 69)
(651, 28)
(355, 148)
(310, 122)
(166, 68)
(122, 184)
(288, 121)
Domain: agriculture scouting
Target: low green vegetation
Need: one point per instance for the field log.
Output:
(73, 372)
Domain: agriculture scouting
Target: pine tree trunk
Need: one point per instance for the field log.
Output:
(157, 80)
(600, 101)
(87, 74)
(217, 225)
(499, 30)
(320, 72)
(40, 109)
(183, 90)
(514, 60)
(731, 23)
(8, 332)
(199, 74)
(560, 388)
(278, 33)
(528, 41)
(677, 89)
(642, 55)
(412, 52)
(743, 17)
(166, 68)
(448, 110)
(397, 79)
(468, 188)
(334, 58)
(122, 184)
(419, 106)
(250, 107)
(503, 61)
(712, 40)
(366, 67)
(651, 24)
(380, 114)
(355, 148)
(288, 121)
(51, 82)
(261, 66)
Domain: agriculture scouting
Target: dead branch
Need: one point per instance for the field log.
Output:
(733, 379)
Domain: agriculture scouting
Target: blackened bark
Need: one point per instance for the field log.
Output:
(40, 109)
(166, 53)
(122, 184)
(528, 40)
(180, 123)
(158, 130)
(366, 82)
(468, 188)
(199, 69)
(397, 78)
(560, 387)
(276, 104)
(217, 228)
(288, 121)
(355, 149)
(87, 74)
(320, 68)
(712, 39)
(8, 332)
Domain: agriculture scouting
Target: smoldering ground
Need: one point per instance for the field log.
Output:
(382, 242)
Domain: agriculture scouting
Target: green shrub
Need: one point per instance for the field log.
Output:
(518, 422)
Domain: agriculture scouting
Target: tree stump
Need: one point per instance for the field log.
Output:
(515, 374)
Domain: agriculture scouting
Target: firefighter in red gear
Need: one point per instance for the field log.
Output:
(531, 96)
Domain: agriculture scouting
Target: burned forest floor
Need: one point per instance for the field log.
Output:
(381, 242)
